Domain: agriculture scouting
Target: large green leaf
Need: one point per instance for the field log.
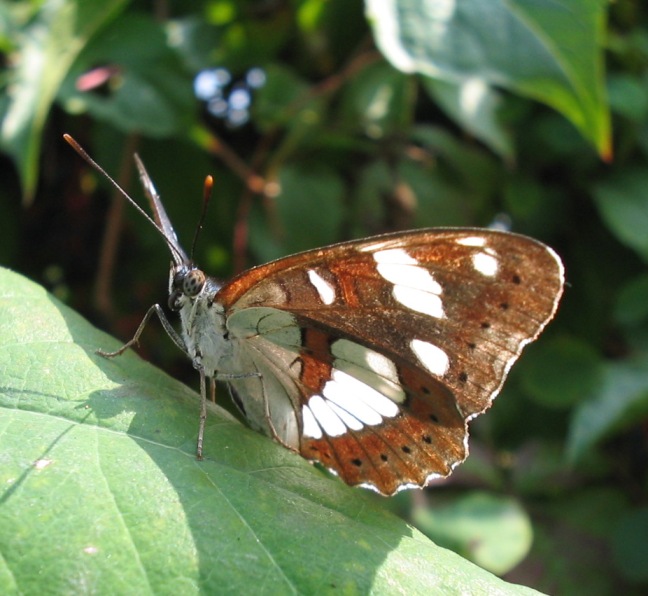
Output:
(101, 491)
(549, 50)
(47, 48)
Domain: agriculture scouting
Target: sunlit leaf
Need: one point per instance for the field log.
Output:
(101, 489)
(547, 50)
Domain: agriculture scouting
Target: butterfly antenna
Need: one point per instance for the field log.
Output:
(178, 256)
(207, 193)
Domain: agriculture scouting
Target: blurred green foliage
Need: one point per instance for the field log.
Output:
(373, 117)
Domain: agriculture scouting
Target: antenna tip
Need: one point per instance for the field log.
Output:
(70, 141)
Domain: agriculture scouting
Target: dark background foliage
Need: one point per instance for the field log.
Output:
(313, 136)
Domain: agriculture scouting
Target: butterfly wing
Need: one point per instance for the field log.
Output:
(419, 327)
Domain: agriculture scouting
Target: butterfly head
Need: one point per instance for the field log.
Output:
(185, 283)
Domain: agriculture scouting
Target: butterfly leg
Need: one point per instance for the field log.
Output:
(273, 430)
(212, 392)
(203, 410)
(171, 332)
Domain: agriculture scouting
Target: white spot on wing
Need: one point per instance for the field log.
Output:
(379, 245)
(414, 286)
(431, 357)
(381, 365)
(345, 384)
(420, 301)
(327, 419)
(370, 367)
(338, 394)
(485, 263)
(325, 290)
(472, 241)
(394, 256)
(346, 403)
(409, 276)
(311, 428)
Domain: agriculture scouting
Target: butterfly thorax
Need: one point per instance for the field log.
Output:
(191, 294)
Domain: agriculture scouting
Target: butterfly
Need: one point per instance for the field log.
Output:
(369, 356)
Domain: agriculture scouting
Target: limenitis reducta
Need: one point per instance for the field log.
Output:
(368, 356)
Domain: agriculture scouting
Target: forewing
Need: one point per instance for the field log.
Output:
(459, 304)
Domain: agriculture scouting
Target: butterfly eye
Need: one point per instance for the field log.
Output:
(179, 277)
(174, 300)
(193, 282)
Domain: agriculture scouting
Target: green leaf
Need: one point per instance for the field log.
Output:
(493, 531)
(623, 204)
(621, 399)
(474, 105)
(548, 50)
(101, 490)
(629, 546)
(47, 48)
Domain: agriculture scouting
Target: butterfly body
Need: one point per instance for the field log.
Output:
(203, 326)
(369, 356)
